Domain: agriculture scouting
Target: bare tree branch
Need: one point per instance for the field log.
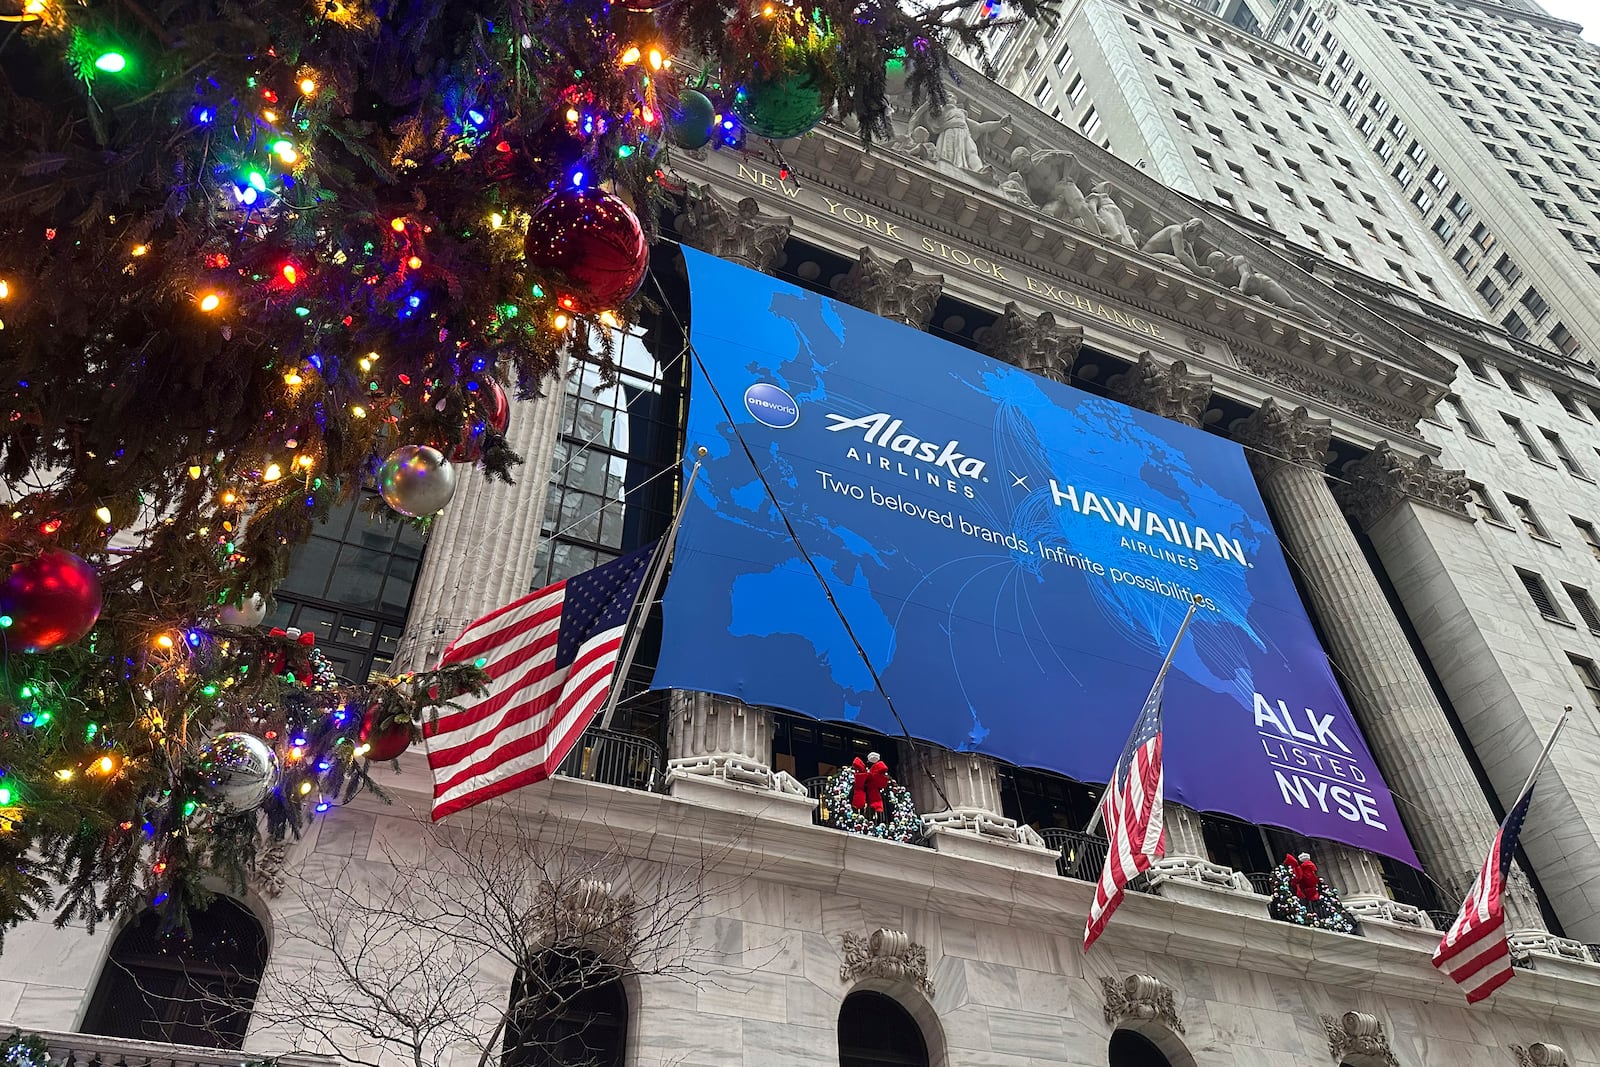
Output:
(411, 954)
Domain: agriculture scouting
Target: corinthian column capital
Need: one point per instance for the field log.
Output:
(1039, 345)
(1383, 478)
(1274, 436)
(1172, 391)
(896, 290)
(735, 230)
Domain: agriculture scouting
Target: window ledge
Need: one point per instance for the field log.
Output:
(1547, 540)
(1500, 523)
(1557, 621)
(1480, 439)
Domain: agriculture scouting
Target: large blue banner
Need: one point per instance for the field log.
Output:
(1012, 555)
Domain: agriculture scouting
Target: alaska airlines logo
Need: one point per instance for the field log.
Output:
(883, 430)
(771, 406)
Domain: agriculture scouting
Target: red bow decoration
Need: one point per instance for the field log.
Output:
(284, 656)
(867, 790)
(1303, 877)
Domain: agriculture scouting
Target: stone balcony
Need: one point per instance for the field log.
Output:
(621, 760)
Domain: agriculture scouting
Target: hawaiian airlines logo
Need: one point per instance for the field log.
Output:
(771, 406)
(883, 430)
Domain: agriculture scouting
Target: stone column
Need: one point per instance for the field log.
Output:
(896, 290)
(719, 752)
(466, 575)
(720, 737)
(1039, 345)
(958, 794)
(1173, 392)
(1411, 739)
(1376, 486)
(737, 231)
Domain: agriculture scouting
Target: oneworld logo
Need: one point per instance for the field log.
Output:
(884, 430)
(771, 406)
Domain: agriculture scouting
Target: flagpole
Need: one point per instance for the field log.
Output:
(1166, 665)
(647, 596)
(1544, 756)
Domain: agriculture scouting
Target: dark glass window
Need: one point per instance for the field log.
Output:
(610, 486)
(194, 990)
(1130, 1049)
(566, 1008)
(875, 1031)
(350, 585)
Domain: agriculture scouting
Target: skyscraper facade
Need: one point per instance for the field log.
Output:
(1486, 119)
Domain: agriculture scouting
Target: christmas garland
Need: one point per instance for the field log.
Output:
(1327, 912)
(903, 823)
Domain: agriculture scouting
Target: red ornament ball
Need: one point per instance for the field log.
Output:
(596, 241)
(384, 742)
(495, 407)
(51, 600)
(490, 413)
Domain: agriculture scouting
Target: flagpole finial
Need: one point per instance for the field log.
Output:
(1198, 599)
(700, 452)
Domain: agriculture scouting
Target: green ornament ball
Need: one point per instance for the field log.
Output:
(691, 121)
(780, 107)
(896, 73)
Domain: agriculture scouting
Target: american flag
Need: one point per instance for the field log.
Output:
(1474, 952)
(1131, 808)
(550, 657)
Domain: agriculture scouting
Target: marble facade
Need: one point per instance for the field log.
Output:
(984, 954)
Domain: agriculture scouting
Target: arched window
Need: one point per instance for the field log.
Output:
(1132, 1049)
(567, 1007)
(875, 1031)
(191, 990)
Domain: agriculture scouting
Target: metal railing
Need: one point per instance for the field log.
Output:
(1260, 882)
(614, 758)
(1082, 855)
(92, 1050)
(1442, 920)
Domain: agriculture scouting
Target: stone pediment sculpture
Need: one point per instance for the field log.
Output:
(1064, 184)
(1047, 179)
(954, 134)
(1174, 244)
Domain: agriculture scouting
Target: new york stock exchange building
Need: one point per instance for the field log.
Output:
(978, 425)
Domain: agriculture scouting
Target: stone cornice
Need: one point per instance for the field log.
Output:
(1274, 345)
(1032, 127)
(1390, 961)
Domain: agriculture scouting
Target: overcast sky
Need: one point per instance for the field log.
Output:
(1585, 12)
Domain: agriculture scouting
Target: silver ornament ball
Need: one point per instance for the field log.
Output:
(249, 612)
(417, 480)
(239, 769)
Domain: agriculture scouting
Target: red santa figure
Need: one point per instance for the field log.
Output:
(1303, 877)
(866, 793)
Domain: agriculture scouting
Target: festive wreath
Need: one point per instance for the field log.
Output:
(900, 822)
(1324, 913)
